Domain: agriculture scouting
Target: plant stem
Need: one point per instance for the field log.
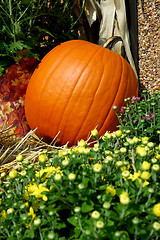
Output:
(139, 192)
(150, 234)
(41, 237)
(123, 212)
(79, 222)
(135, 233)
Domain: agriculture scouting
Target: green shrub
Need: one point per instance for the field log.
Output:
(31, 24)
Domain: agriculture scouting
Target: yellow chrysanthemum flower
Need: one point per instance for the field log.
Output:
(96, 147)
(118, 133)
(135, 176)
(158, 156)
(80, 149)
(36, 190)
(145, 165)
(49, 171)
(31, 213)
(145, 183)
(81, 143)
(94, 132)
(42, 158)
(135, 139)
(97, 167)
(141, 151)
(3, 214)
(111, 190)
(64, 152)
(145, 175)
(156, 209)
(144, 139)
(124, 198)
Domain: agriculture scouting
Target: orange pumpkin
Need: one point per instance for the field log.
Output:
(73, 90)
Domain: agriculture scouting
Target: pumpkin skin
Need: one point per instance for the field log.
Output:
(73, 91)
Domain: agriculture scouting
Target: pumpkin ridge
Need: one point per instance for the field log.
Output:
(119, 83)
(91, 104)
(45, 86)
(35, 75)
(89, 62)
(103, 118)
(119, 92)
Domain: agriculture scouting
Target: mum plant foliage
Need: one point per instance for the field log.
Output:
(107, 191)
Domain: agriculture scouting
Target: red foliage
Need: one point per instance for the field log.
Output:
(13, 85)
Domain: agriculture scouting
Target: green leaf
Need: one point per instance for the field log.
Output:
(16, 46)
(154, 176)
(71, 198)
(1, 70)
(73, 220)
(29, 234)
(11, 238)
(87, 206)
(85, 182)
(102, 187)
(60, 225)
(77, 233)
(42, 30)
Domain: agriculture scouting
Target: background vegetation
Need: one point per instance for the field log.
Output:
(32, 28)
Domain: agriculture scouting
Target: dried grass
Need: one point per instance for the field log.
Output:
(30, 146)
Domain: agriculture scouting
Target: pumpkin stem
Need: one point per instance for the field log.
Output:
(112, 41)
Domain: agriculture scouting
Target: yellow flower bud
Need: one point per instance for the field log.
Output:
(156, 209)
(72, 176)
(94, 133)
(124, 198)
(99, 224)
(57, 177)
(95, 214)
(125, 174)
(13, 174)
(155, 167)
(19, 158)
(123, 150)
(110, 189)
(81, 143)
(145, 175)
(42, 158)
(145, 139)
(96, 147)
(158, 156)
(145, 165)
(156, 226)
(97, 167)
(145, 183)
(141, 151)
(118, 133)
(135, 139)
(150, 144)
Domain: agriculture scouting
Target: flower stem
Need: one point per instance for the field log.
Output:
(123, 212)
(135, 233)
(79, 222)
(149, 237)
(40, 233)
(139, 192)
